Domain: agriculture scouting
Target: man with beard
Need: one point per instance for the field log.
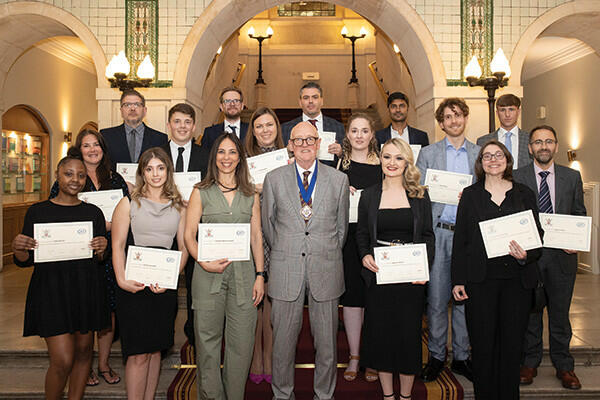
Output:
(560, 191)
(127, 141)
(231, 103)
(397, 103)
(454, 153)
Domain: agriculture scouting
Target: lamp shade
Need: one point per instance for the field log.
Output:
(363, 31)
(500, 63)
(344, 30)
(269, 31)
(121, 65)
(109, 73)
(251, 31)
(146, 69)
(473, 69)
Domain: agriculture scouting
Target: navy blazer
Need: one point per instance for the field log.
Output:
(415, 136)
(198, 158)
(116, 143)
(211, 133)
(366, 231)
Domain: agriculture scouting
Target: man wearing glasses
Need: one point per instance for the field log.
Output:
(231, 103)
(127, 141)
(560, 191)
(305, 219)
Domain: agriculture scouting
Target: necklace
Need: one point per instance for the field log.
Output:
(227, 189)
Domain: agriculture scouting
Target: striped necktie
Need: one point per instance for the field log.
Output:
(544, 195)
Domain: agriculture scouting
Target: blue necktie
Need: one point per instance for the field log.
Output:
(544, 196)
(508, 142)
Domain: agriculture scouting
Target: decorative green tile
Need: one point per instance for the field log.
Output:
(306, 9)
(141, 32)
(477, 32)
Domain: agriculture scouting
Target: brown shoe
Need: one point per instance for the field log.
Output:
(527, 375)
(568, 379)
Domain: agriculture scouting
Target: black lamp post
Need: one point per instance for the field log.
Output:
(260, 39)
(353, 39)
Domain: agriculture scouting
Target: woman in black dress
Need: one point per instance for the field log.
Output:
(396, 211)
(92, 147)
(360, 161)
(66, 300)
(497, 291)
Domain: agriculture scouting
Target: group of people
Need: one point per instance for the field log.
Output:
(303, 248)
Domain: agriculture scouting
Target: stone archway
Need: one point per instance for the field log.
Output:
(397, 18)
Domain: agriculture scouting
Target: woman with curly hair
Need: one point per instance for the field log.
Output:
(155, 216)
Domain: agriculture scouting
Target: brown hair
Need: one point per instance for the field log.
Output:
(103, 171)
(480, 173)
(132, 92)
(451, 103)
(373, 155)
(250, 143)
(169, 189)
(242, 176)
(231, 89)
(183, 108)
(507, 100)
(412, 175)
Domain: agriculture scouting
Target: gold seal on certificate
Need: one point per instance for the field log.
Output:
(571, 232)
(354, 199)
(185, 182)
(260, 165)
(327, 138)
(105, 200)
(401, 264)
(62, 241)
(127, 171)
(230, 241)
(498, 232)
(444, 186)
(152, 266)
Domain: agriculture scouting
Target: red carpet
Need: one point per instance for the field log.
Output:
(446, 387)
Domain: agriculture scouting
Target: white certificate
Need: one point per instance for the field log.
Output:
(444, 186)
(498, 232)
(63, 241)
(127, 171)
(571, 232)
(153, 266)
(105, 200)
(327, 138)
(230, 241)
(258, 166)
(354, 199)
(401, 264)
(185, 182)
(416, 149)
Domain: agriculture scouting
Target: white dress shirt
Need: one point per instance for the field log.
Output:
(227, 127)
(186, 154)
(396, 134)
(310, 177)
(514, 142)
(319, 119)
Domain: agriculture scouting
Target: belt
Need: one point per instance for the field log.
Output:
(392, 243)
(442, 225)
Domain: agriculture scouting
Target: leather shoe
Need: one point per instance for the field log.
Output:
(527, 375)
(432, 370)
(568, 379)
(462, 367)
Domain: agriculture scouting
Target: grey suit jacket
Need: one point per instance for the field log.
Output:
(568, 195)
(299, 249)
(434, 157)
(523, 158)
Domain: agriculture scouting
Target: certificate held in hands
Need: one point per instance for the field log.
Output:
(444, 186)
(63, 241)
(185, 182)
(354, 200)
(105, 200)
(127, 171)
(152, 266)
(327, 138)
(402, 264)
(260, 165)
(217, 241)
(571, 232)
(498, 232)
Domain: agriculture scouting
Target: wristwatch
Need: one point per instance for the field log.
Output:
(263, 274)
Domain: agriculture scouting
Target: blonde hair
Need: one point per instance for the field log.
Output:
(373, 155)
(169, 189)
(412, 175)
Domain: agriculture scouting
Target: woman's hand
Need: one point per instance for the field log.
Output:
(258, 188)
(459, 293)
(516, 251)
(258, 291)
(352, 190)
(99, 244)
(419, 282)
(217, 266)
(369, 263)
(130, 285)
(23, 243)
(156, 289)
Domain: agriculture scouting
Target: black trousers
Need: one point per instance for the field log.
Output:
(497, 313)
(188, 327)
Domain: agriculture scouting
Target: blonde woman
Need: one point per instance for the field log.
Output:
(397, 211)
(146, 314)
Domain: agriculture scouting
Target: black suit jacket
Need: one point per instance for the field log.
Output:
(366, 231)
(116, 143)
(569, 200)
(415, 136)
(211, 133)
(469, 258)
(198, 158)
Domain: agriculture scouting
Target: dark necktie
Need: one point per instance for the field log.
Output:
(233, 128)
(544, 195)
(306, 174)
(179, 163)
(313, 122)
(131, 145)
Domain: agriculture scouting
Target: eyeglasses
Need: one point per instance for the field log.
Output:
(232, 101)
(539, 142)
(497, 156)
(309, 141)
(132, 105)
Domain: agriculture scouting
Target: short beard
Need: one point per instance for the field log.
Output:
(232, 116)
(539, 159)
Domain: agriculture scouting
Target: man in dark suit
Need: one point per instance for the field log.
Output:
(559, 190)
(127, 141)
(397, 103)
(508, 109)
(231, 103)
(311, 101)
(187, 156)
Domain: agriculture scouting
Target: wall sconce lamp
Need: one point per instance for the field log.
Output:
(260, 39)
(67, 138)
(118, 69)
(571, 155)
(353, 39)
